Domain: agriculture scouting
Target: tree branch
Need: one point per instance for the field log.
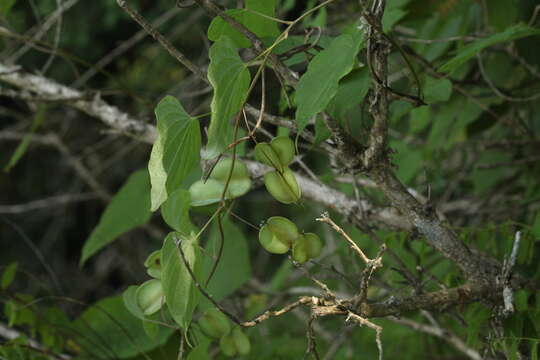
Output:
(110, 115)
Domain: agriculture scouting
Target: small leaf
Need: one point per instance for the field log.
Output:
(214, 323)
(437, 90)
(23, 145)
(8, 275)
(5, 6)
(392, 17)
(230, 79)
(257, 24)
(181, 293)
(129, 208)
(420, 118)
(319, 84)
(521, 300)
(175, 211)
(468, 51)
(351, 91)
(200, 352)
(176, 149)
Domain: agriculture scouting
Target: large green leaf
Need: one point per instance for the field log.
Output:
(259, 25)
(234, 267)
(175, 211)
(351, 91)
(230, 79)
(319, 84)
(176, 150)
(108, 330)
(181, 294)
(468, 51)
(129, 208)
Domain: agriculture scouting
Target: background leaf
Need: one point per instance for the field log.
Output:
(129, 208)
(176, 150)
(234, 267)
(320, 83)
(5, 6)
(468, 51)
(437, 90)
(181, 294)
(230, 79)
(23, 145)
(108, 330)
(259, 25)
(8, 275)
(351, 91)
(175, 211)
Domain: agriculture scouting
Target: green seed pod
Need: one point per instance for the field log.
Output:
(235, 342)
(150, 296)
(283, 186)
(205, 193)
(278, 234)
(214, 324)
(153, 264)
(284, 147)
(209, 192)
(266, 154)
(307, 246)
(278, 154)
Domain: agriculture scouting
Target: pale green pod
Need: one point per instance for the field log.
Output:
(150, 296)
(223, 167)
(306, 247)
(210, 192)
(272, 243)
(214, 324)
(283, 186)
(205, 193)
(278, 154)
(284, 228)
(265, 153)
(238, 187)
(284, 148)
(153, 264)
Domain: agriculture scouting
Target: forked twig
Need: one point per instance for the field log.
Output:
(325, 218)
(365, 322)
